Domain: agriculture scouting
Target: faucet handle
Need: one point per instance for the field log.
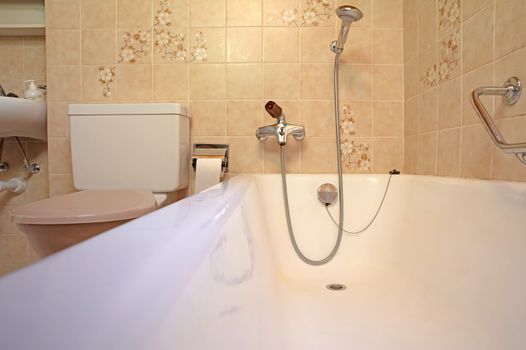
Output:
(273, 109)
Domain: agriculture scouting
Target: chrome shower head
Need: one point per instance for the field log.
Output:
(348, 14)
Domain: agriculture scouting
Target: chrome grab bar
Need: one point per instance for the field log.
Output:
(512, 92)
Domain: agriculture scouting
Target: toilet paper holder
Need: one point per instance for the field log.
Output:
(211, 150)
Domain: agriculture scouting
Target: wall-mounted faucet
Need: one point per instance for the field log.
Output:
(281, 130)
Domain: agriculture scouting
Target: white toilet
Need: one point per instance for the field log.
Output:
(126, 158)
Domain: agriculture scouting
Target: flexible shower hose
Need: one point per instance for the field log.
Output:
(340, 183)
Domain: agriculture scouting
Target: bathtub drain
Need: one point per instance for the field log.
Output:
(336, 287)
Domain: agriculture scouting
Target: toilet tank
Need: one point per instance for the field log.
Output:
(130, 146)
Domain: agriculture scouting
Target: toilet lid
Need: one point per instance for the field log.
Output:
(86, 207)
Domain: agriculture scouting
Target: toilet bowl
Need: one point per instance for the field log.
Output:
(56, 223)
(115, 150)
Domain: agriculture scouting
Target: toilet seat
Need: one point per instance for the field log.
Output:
(89, 206)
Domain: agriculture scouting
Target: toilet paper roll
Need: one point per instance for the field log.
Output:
(207, 173)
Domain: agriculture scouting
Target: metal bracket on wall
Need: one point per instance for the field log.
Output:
(511, 92)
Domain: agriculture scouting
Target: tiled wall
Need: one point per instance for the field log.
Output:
(224, 59)
(21, 58)
(450, 48)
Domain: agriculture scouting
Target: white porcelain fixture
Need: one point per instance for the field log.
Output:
(121, 154)
(442, 267)
(23, 117)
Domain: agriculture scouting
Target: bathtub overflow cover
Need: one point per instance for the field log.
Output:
(336, 287)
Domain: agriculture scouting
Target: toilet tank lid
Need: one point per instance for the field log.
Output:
(128, 109)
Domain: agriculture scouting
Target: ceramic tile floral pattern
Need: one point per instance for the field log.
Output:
(135, 46)
(170, 44)
(449, 60)
(315, 13)
(106, 75)
(355, 156)
(285, 16)
(449, 56)
(448, 14)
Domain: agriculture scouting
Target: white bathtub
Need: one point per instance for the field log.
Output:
(443, 267)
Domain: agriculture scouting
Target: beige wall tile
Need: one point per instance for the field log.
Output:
(63, 47)
(388, 46)
(410, 30)
(60, 184)
(134, 82)
(244, 44)
(246, 154)
(509, 14)
(272, 162)
(98, 47)
(448, 104)
(470, 7)
(476, 152)
(207, 81)
(314, 47)
(134, 14)
(244, 12)
(359, 48)
(427, 113)
(358, 85)
(281, 80)
(477, 78)
(316, 81)
(208, 118)
(506, 67)
(388, 119)
(314, 155)
(12, 63)
(170, 82)
(363, 114)
(411, 78)
(476, 30)
(244, 80)
(57, 119)
(244, 117)
(280, 45)
(426, 154)
(388, 154)
(388, 82)
(98, 14)
(59, 155)
(318, 118)
(207, 13)
(448, 162)
(62, 14)
(387, 13)
(411, 116)
(63, 83)
(427, 24)
(35, 62)
(410, 154)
